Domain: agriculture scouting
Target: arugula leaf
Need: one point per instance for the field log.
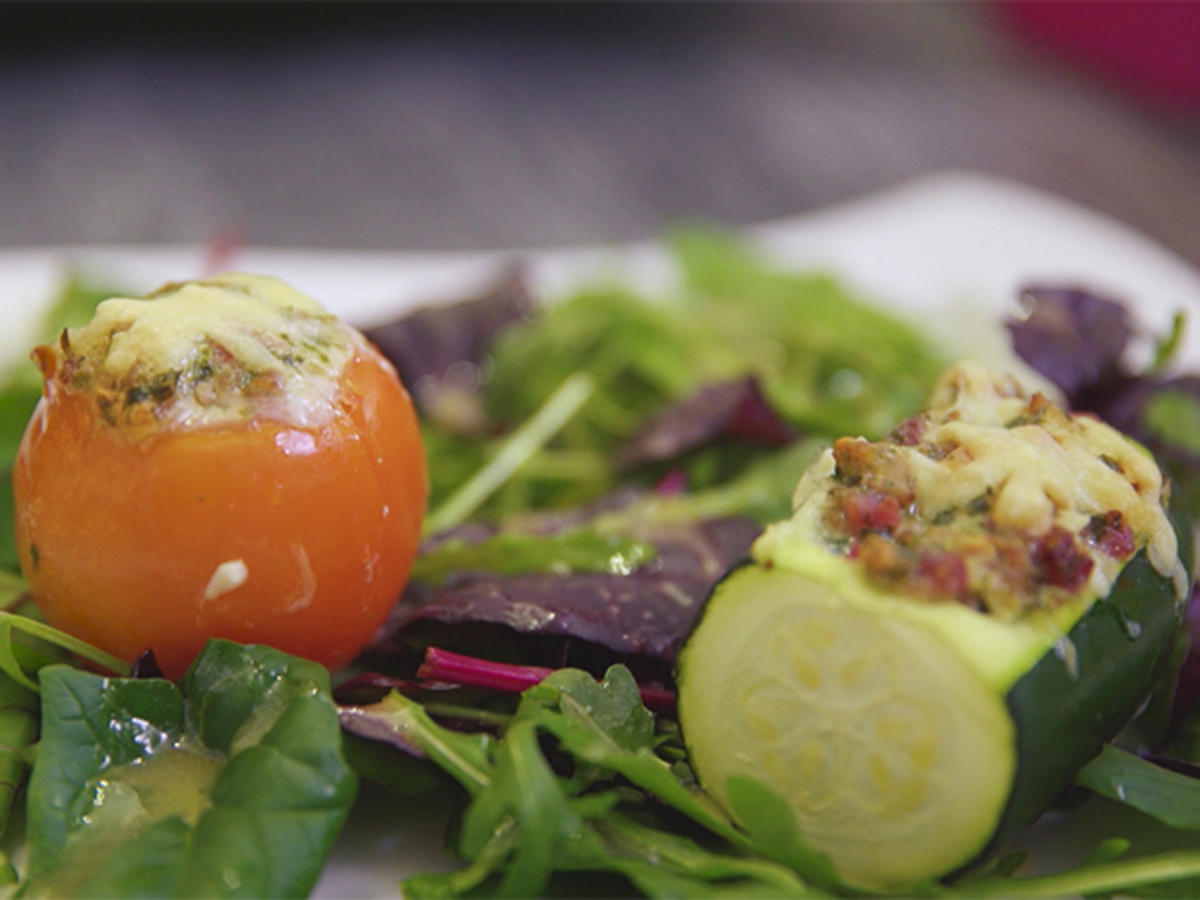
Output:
(1171, 798)
(465, 757)
(217, 787)
(534, 816)
(663, 864)
(515, 451)
(527, 789)
(606, 725)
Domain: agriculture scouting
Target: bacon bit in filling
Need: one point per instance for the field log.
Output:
(869, 511)
(909, 432)
(1062, 562)
(941, 574)
(1111, 533)
(1009, 580)
(936, 574)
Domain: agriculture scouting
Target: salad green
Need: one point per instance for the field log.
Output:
(571, 785)
(828, 362)
(526, 822)
(231, 784)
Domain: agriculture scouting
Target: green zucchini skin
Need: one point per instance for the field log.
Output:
(1083, 692)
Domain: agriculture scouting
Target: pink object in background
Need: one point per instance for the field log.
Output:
(1150, 47)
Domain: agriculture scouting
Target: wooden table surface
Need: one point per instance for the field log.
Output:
(464, 127)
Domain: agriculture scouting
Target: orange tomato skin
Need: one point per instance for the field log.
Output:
(119, 534)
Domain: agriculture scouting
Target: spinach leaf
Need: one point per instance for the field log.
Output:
(232, 784)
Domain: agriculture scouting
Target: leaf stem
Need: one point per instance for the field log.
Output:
(443, 665)
(456, 668)
(1093, 880)
(522, 444)
(8, 662)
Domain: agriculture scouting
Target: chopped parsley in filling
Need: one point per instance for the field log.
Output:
(206, 352)
(992, 498)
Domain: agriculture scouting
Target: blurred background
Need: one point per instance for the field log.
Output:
(480, 126)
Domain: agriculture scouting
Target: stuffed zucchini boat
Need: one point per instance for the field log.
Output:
(947, 628)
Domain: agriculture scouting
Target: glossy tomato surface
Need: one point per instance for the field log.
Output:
(255, 531)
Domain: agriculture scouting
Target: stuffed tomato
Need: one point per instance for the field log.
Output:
(224, 459)
(947, 628)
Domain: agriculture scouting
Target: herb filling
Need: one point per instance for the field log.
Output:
(992, 498)
(206, 352)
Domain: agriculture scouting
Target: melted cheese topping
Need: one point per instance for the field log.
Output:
(983, 436)
(210, 351)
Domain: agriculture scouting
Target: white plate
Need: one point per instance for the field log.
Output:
(949, 250)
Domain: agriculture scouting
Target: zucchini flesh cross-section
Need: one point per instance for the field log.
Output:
(895, 755)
